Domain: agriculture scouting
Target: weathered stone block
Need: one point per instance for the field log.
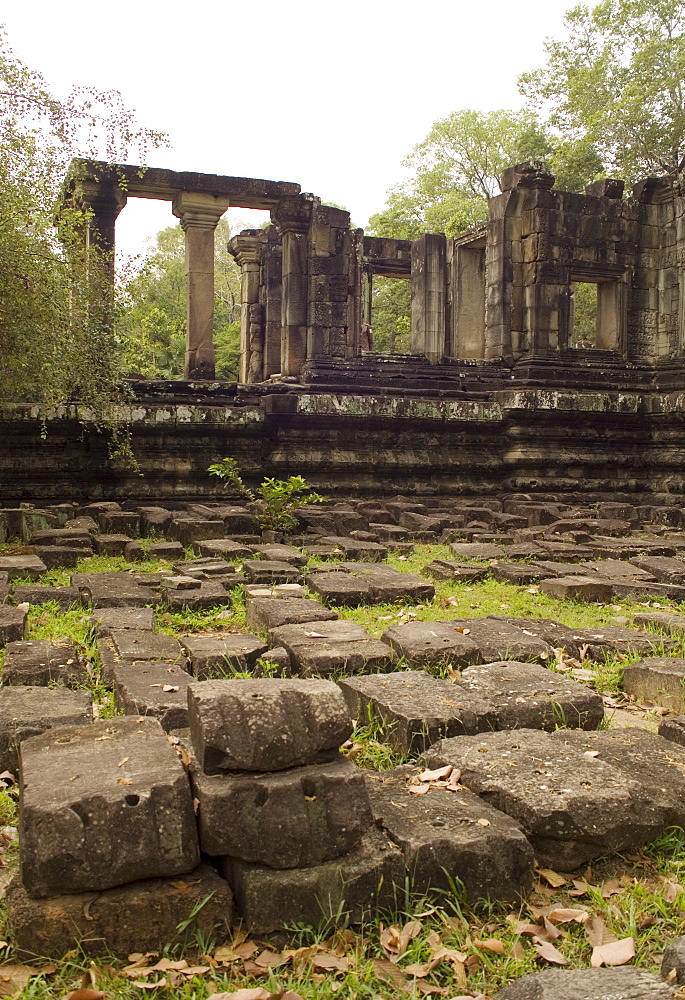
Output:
(40, 662)
(32, 593)
(156, 689)
(368, 879)
(215, 657)
(477, 550)
(142, 916)
(137, 645)
(673, 729)
(268, 571)
(165, 550)
(104, 620)
(103, 805)
(652, 761)
(296, 818)
(450, 569)
(110, 545)
(18, 567)
(266, 725)
(626, 983)
(450, 837)
(264, 613)
(352, 548)
(578, 588)
(12, 624)
(660, 679)
(572, 808)
(339, 588)
(112, 590)
(674, 961)
(222, 548)
(29, 711)
(528, 696)
(414, 710)
(210, 594)
(388, 585)
(280, 553)
(328, 647)
(60, 556)
(497, 640)
(189, 530)
(429, 643)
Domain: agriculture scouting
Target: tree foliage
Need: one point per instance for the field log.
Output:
(55, 343)
(617, 82)
(151, 323)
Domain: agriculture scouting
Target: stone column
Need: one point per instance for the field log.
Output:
(429, 296)
(101, 202)
(199, 215)
(292, 216)
(270, 300)
(246, 248)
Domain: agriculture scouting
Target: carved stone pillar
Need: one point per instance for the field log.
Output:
(199, 215)
(101, 201)
(429, 296)
(292, 216)
(246, 248)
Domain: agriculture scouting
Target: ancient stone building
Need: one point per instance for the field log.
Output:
(501, 388)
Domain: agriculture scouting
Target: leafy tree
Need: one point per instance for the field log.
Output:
(617, 83)
(55, 343)
(151, 323)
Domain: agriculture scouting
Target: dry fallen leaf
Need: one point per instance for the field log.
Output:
(85, 994)
(437, 774)
(597, 932)
(554, 878)
(549, 953)
(491, 944)
(614, 953)
(419, 789)
(258, 993)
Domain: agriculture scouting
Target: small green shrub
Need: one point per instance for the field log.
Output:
(275, 500)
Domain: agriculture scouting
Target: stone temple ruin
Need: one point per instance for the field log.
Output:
(532, 458)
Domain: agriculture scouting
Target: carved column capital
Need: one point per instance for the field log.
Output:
(198, 211)
(246, 247)
(293, 213)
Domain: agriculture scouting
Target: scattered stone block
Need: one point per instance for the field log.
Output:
(189, 530)
(296, 818)
(266, 725)
(110, 545)
(210, 594)
(156, 689)
(88, 790)
(220, 656)
(275, 590)
(119, 522)
(326, 647)
(388, 585)
(659, 679)
(273, 663)
(673, 729)
(617, 569)
(625, 983)
(450, 837)
(134, 552)
(222, 548)
(652, 761)
(265, 613)
(528, 696)
(39, 662)
(280, 553)
(104, 620)
(137, 646)
(607, 640)
(206, 568)
(450, 569)
(60, 556)
(154, 521)
(18, 567)
(664, 621)
(518, 574)
(572, 808)
(389, 532)
(267, 571)
(635, 589)
(352, 888)
(477, 550)
(662, 568)
(339, 588)
(497, 640)
(75, 538)
(143, 915)
(33, 593)
(112, 590)
(425, 644)
(556, 635)
(578, 588)
(165, 550)
(182, 583)
(352, 548)
(27, 711)
(413, 710)
(12, 624)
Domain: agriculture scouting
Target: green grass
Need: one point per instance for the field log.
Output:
(639, 910)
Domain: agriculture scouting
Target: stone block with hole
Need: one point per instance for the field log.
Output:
(411, 710)
(450, 838)
(572, 808)
(159, 690)
(658, 679)
(265, 613)
(332, 647)
(643, 756)
(348, 889)
(529, 696)
(41, 662)
(296, 818)
(102, 805)
(141, 916)
(212, 656)
(28, 711)
(266, 725)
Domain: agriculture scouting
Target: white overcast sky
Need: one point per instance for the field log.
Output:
(330, 95)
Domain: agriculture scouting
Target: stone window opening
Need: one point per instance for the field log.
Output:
(387, 311)
(596, 313)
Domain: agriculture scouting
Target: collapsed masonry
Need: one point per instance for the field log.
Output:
(502, 293)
